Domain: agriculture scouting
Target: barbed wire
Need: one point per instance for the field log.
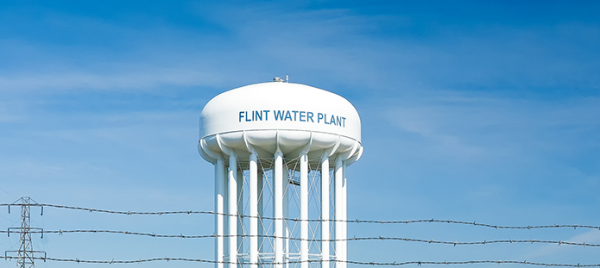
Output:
(189, 212)
(319, 261)
(455, 243)
(431, 241)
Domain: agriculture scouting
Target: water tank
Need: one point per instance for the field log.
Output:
(275, 147)
(280, 115)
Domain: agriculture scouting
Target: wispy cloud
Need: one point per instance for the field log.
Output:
(470, 126)
(333, 46)
(124, 79)
(588, 237)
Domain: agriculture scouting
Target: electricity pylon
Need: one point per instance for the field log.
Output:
(25, 255)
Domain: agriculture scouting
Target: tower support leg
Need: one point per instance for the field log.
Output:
(286, 215)
(253, 207)
(260, 212)
(304, 210)
(219, 209)
(232, 211)
(278, 208)
(325, 211)
(340, 214)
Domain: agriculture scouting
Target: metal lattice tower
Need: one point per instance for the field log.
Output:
(25, 255)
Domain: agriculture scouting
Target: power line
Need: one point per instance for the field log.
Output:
(7, 192)
(318, 261)
(431, 241)
(189, 212)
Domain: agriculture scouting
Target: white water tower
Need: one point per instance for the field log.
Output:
(280, 152)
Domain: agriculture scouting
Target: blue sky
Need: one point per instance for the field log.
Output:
(471, 110)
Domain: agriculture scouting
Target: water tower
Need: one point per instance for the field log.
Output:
(280, 151)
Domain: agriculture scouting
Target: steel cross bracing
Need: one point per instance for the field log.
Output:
(314, 203)
(291, 232)
(267, 171)
(25, 255)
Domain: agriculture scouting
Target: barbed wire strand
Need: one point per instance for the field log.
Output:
(189, 212)
(431, 241)
(318, 261)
